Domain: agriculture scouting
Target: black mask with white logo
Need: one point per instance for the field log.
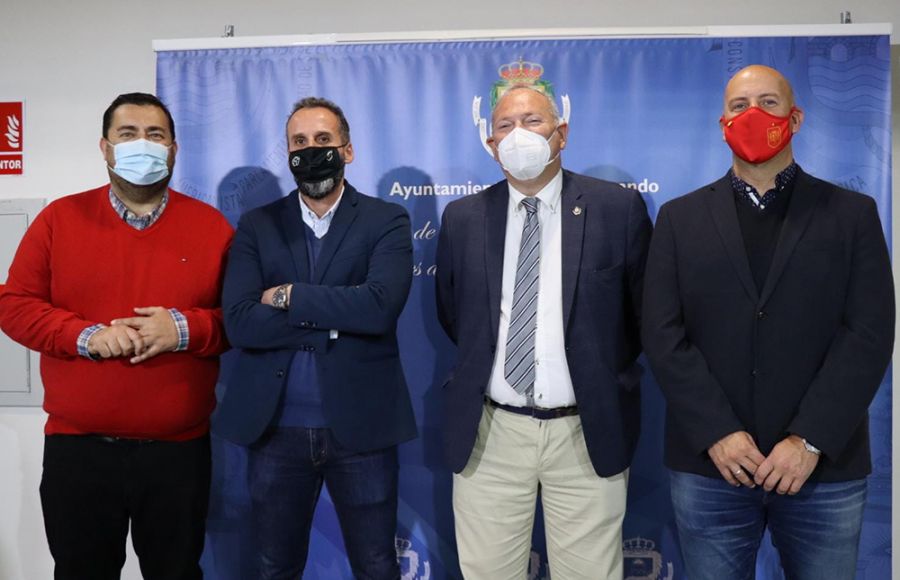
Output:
(314, 164)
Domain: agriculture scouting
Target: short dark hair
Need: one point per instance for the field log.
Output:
(319, 102)
(140, 99)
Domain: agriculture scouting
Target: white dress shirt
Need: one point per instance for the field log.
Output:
(319, 225)
(552, 384)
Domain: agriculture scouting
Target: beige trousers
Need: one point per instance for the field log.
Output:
(494, 501)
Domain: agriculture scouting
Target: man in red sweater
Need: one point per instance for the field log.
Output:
(119, 290)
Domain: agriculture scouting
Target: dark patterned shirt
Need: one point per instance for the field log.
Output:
(748, 193)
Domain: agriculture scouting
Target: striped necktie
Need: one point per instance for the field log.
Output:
(519, 366)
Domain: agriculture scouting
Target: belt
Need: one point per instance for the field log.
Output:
(535, 412)
(128, 441)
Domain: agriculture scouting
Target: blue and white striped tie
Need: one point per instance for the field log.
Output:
(519, 366)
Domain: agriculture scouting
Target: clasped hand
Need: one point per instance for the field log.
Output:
(140, 337)
(785, 470)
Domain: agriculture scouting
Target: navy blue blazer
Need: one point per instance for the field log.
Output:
(802, 355)
(359, 287)
(605, 237)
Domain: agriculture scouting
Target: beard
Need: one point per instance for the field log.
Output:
(139, 193)
(320, 189)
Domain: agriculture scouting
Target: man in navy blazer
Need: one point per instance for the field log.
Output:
(574, 248)
(769, 322)
(314, 286)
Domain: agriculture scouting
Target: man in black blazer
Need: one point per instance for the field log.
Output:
(768, 322)
(314, 286)
(539, 282)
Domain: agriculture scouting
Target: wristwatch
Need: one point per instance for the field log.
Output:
(810, 447)
(281, 298)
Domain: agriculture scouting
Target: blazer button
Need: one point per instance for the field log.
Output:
(753, 373)
(279, 373)
(761, 314)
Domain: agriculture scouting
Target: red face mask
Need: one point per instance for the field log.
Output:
(757, 136)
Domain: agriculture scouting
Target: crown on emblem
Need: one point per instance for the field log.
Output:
(521, 72)
(639, 545)
(402, 544)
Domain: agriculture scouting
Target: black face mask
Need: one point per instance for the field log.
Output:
(314, 164)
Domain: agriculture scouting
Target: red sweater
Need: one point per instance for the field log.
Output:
(80, 264)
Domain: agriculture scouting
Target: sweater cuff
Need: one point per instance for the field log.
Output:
(181, 325)
(84, 339)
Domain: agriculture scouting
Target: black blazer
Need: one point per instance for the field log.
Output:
(804, 355)
(359, 287)
(605, 237)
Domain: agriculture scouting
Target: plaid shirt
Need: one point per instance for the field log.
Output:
(131, 218)
(138, 223)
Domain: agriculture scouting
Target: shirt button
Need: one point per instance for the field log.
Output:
(279, 373)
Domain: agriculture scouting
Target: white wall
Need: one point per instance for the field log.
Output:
(67, 60)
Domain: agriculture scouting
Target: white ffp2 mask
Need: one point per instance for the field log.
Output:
(524, 154)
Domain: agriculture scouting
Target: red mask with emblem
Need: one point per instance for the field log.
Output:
(757, 136)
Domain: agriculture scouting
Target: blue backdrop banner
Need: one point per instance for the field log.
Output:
(643, 113)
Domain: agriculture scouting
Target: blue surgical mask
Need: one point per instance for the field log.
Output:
(141, 162)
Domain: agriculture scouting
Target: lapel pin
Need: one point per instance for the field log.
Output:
(576, 210)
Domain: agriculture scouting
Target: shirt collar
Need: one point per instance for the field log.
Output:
(319, 225)
(131, 218)
(784, 180)
(549, 195)
(309, 214)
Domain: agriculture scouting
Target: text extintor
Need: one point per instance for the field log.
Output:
(11, 143)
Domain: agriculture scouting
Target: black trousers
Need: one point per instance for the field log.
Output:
(93, 487)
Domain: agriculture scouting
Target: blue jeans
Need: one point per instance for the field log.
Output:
(816, 532)
(287, 467)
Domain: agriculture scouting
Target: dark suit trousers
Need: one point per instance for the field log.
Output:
(93, 487)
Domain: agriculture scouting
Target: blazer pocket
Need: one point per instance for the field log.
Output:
(611, 274)
(630, 377)
(817, 260)
(351, 253)
(818, 246)
(447, 381)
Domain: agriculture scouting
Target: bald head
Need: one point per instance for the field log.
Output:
(758, 86)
